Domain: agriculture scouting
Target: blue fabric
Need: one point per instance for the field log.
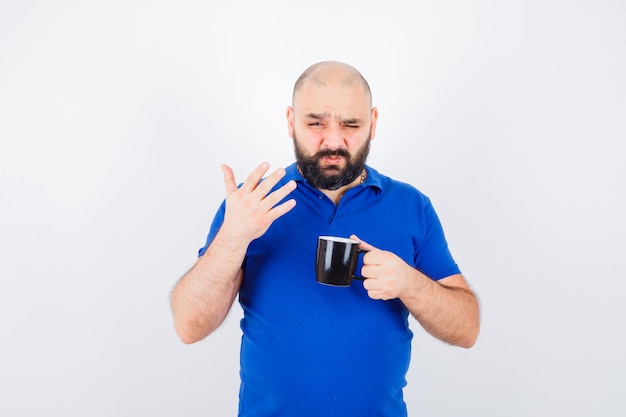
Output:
(314, 350)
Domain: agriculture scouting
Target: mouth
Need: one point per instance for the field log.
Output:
(333, 159)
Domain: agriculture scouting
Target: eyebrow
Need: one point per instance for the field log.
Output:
(326, 115)
(318, 116)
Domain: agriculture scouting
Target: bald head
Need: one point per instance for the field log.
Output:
(329, 72)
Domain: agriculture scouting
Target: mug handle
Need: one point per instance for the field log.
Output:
(358, 252)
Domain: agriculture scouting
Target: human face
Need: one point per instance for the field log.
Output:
(331, 124)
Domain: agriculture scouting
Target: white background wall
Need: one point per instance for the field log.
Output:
(115, 117)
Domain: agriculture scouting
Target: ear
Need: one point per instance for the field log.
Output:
(374, 119)
(290, 121)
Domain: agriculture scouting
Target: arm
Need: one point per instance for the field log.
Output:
(447, 309)
(203, 296)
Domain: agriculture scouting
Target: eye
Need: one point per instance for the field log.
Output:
(351, 123)
(315, 124)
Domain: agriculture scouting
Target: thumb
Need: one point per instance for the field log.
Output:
(363, 245)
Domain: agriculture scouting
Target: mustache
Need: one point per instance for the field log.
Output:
(332, 152)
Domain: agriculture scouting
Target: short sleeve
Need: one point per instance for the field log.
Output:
(432, 256)
(215, 227)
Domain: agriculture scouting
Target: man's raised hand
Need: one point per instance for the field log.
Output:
(251, 208)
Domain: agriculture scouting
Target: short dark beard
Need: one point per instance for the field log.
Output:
(332, 177)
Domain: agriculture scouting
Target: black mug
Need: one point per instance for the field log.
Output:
(336, 260)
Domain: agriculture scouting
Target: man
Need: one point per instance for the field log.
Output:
(310, 349)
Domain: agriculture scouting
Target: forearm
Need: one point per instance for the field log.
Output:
(203, 297)
(448, 310)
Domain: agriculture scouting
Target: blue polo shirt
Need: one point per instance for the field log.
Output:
(314, 350)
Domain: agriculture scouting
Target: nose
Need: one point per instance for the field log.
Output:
(333, 137)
